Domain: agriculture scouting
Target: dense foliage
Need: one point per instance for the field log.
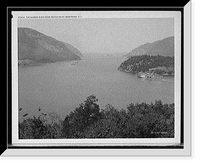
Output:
(88, 121)
(41, 127)
(135, 64)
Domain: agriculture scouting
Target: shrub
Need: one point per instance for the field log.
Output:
(83, 116)
(45, 126)
(88, 121)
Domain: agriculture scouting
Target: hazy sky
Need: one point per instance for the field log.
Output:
(103, 35)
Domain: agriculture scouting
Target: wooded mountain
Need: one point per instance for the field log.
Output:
(35, 47)
(163, 47)
(160, 64)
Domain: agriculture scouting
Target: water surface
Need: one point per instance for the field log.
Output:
(60, 87)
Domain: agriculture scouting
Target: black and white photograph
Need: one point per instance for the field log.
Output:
(96, 77)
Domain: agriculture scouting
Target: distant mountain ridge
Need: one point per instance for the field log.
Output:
(35, 47)
(163, 47)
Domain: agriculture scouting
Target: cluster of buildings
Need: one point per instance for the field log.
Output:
(149, 75)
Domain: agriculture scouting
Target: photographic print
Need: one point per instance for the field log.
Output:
(97, 79)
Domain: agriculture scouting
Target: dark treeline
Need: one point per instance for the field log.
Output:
(161, 64)
(154, 120)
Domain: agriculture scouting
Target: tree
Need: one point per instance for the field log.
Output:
(140, 120)
(111, 125)
(42, 127)
(86, 114)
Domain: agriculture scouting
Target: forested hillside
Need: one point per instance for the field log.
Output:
(35, 47)
(164, 47)
(144, 63)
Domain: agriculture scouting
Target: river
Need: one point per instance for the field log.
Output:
(60, 87)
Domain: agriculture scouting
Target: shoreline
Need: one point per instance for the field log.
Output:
(34, 63)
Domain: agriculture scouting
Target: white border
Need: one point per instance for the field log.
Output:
(97, 142)
(187, 78)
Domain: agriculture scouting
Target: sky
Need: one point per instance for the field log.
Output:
(103, 35)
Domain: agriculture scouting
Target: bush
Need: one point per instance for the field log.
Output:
(83, 116)
(88, 121)
(42, 127)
